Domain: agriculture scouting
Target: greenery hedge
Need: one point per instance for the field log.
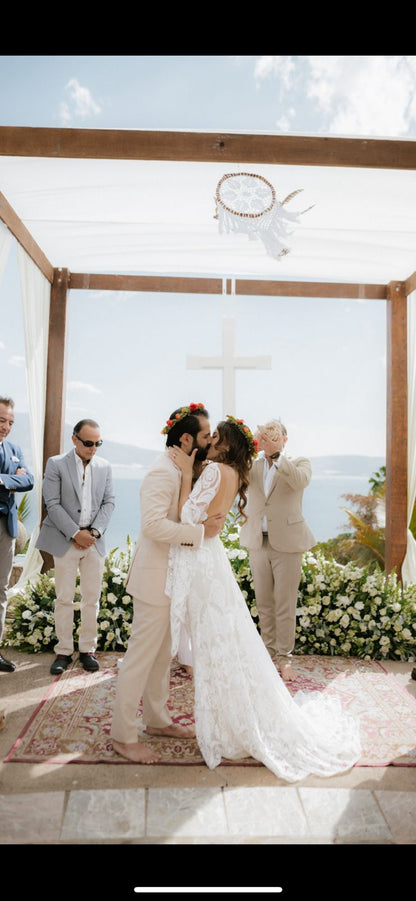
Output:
(344, 610)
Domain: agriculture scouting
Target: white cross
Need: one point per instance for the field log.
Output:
(228, 363)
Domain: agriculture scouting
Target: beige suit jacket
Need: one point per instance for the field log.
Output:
(287, 528)
(160, 527)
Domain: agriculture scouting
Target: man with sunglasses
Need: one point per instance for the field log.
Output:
(79, 499)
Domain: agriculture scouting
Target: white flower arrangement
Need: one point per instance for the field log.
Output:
(343, 610)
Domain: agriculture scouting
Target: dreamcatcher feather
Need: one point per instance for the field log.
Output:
(247, 203)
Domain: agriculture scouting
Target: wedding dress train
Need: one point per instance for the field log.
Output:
(242, 706)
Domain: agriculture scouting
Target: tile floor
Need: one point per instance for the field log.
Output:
(214, 815)
(129, 805)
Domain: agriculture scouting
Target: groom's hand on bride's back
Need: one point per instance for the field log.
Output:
(213, 525)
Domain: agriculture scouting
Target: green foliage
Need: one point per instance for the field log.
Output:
(239, 560)
(357, 611)
(378, 482)
(30, 624)
(23, 509)
(365, 542)
(343, 609)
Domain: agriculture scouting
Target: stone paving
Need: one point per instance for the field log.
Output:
(50, 804)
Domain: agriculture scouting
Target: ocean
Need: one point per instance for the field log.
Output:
(322, 503)
(322, 507)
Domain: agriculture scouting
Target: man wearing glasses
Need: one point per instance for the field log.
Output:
(79, 500)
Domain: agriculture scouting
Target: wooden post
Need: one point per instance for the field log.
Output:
(55, 377)
(396, 427)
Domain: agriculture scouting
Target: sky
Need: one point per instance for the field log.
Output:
(327, 379)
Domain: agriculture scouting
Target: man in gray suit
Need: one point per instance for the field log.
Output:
(79, 499)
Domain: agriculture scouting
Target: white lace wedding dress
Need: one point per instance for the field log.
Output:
(242, 706)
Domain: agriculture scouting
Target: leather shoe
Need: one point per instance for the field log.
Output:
(60, 664)
(89, 662)
(6, 666)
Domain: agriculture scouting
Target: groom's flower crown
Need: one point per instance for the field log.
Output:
(184, 411)
(248, 435)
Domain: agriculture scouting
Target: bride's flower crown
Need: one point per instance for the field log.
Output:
(184, 411)
(248, 435)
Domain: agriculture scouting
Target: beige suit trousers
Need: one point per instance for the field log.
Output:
(144, 673)
(276, 577)
(90, 565)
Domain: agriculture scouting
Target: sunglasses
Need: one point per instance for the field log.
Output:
(89, 443)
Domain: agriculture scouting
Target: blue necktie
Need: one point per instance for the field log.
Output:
(2, 457)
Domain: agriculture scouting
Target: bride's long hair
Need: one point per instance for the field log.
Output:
(239, 456)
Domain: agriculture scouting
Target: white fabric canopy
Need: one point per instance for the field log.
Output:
(158, 218)
(35, 294)
(5, 246)
(148, 217)
(409, 563)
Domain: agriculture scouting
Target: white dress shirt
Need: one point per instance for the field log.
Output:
(84, 473)
(268, 475)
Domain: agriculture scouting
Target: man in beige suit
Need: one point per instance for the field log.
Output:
(277, 535)
(145, 669)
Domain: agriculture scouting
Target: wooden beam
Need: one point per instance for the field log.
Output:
(310, 289)
(53, 436)
(23, 236)
(215, 147)
(195, 285)
(170, 284)
(55, 374)
(410, 284)
(396, 426)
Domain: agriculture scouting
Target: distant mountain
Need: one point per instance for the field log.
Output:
(130, 461)
(348, 464)
(333, 476)
(127, 460)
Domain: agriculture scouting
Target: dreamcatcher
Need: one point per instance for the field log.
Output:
(247, 203)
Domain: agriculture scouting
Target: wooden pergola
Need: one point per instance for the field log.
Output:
(225, 148)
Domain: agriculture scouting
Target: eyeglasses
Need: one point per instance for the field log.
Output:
(89, 443)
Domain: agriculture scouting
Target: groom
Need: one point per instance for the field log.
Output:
(145, 669)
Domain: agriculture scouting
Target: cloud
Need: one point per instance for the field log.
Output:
(373, 95)
(16, 361)
(283, 67)
(2, 346)
(352, 95)
(80, 105)
(83, 386)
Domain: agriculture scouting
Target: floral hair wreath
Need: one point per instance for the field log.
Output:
(185, 411)
(248, 435)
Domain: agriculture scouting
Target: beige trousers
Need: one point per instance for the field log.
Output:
(144, 673)
(7, 545)
(90, 565)
(276, 577)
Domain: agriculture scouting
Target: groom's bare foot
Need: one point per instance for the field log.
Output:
(175, 730)
(287, 672)
(136, 751)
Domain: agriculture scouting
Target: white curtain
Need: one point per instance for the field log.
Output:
(5, 245)
(409, 563)
(35, 295)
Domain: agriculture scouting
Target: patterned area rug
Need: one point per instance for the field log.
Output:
(72, 722)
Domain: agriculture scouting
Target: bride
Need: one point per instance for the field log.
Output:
(242, 706)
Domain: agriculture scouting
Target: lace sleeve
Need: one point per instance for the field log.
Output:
(195, 508)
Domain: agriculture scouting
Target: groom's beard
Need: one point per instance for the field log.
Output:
(201, 453)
